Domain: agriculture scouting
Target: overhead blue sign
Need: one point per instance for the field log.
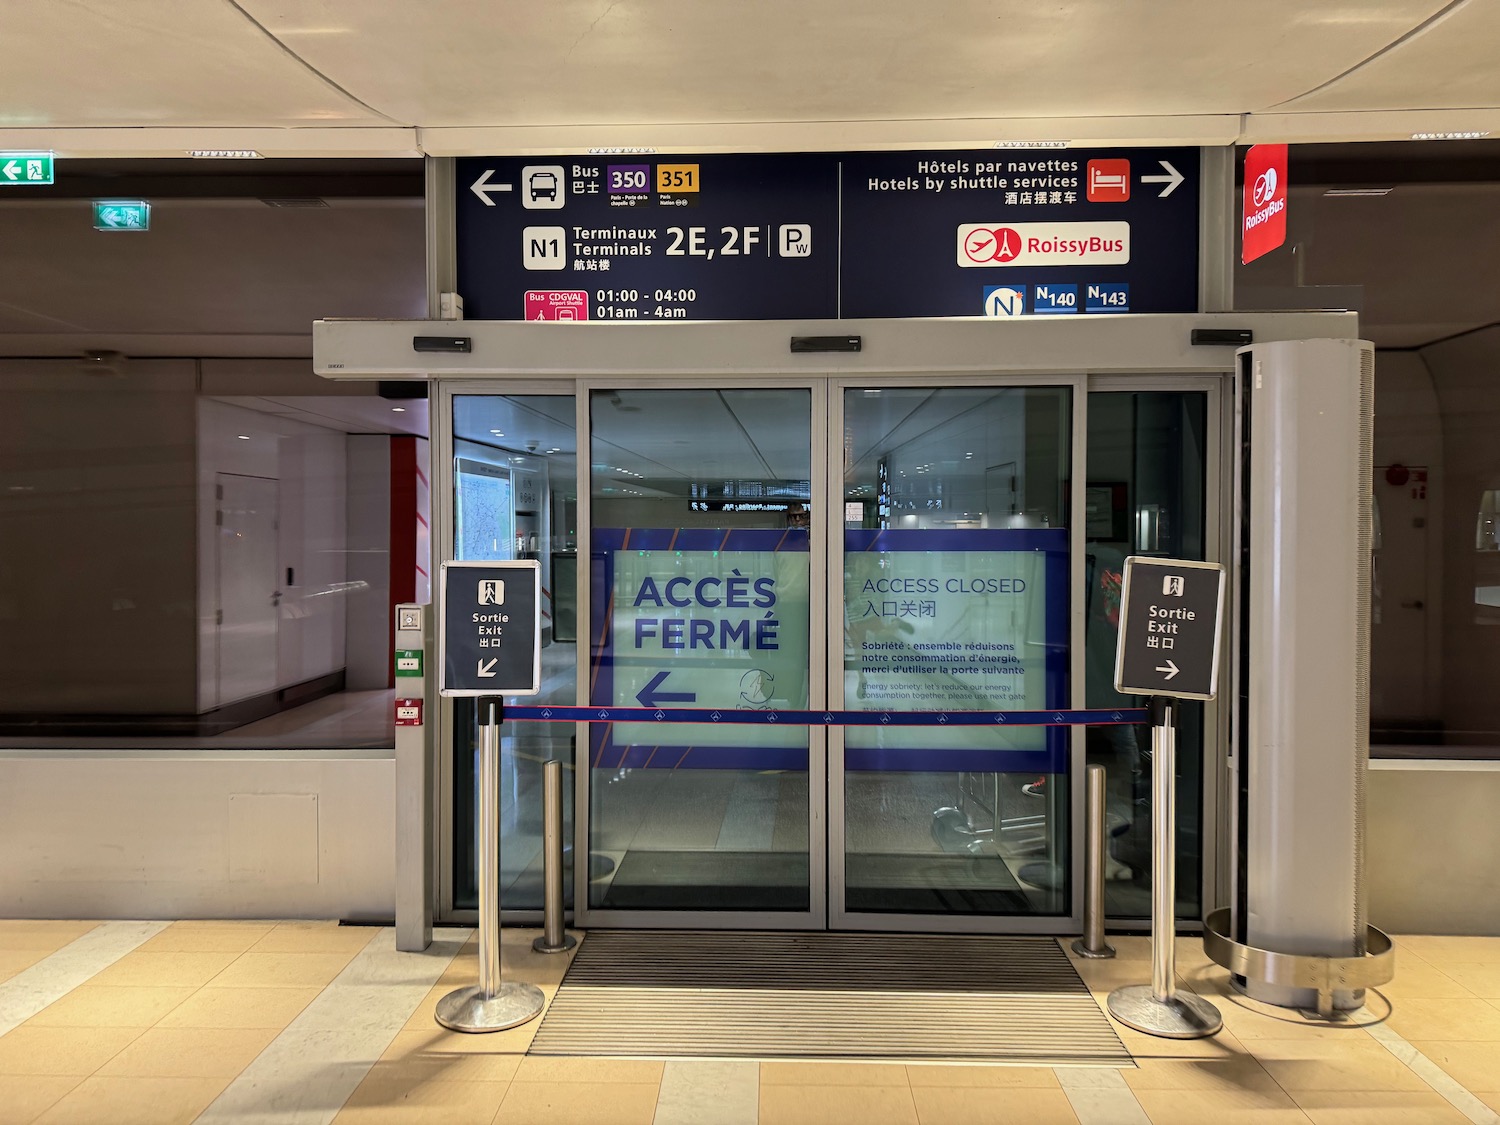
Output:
(819, 236)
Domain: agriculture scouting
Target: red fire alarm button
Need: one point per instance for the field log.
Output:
(408, 712)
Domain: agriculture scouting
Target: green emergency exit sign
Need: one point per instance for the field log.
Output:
(25, 168)
(122, 214)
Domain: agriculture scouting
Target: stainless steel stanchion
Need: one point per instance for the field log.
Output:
(1158, 1008)
(495, 1004)
(554, 938)
(1092, 944)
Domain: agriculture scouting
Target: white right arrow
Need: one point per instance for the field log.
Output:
(482, 187)
(1171, 179)
(487, 668)
(11, 169)
(1170, 669)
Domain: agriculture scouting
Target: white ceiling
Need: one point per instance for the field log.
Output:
(386, 77)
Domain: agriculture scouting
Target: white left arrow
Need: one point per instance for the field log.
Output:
(11, 170)
(482, 187)
(1171, 179)
(487, 668)
(1170, 669)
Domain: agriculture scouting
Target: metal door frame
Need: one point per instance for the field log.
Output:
(1120, 352)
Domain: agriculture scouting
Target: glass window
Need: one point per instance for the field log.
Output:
(187, 563)
(956, 579)
(515, 496)
(700, 502)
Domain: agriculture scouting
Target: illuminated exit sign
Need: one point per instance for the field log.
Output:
(25, 168)
(122, 214)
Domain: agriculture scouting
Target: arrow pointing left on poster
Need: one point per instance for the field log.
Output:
(650, 696)
(487, 667)
(482, 187)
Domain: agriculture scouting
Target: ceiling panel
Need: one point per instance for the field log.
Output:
(478, 62)
(157, 62)
(1450, 63)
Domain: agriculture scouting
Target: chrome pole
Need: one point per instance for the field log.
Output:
(1092, 944)
(494, 1004)
(554, 938)
(1158, 1008)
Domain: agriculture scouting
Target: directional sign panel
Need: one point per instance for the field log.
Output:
(1170, 620)
(25, 168)
(490, 637)
(738, 236)
(122, 214)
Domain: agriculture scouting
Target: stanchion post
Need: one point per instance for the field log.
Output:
(1092, 944)
(1158, 1008)
(554, 938)
(494, 1004)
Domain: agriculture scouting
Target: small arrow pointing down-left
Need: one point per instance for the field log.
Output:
(487, 667)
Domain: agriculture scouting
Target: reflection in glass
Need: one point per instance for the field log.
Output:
(699, 593)
(956, 599)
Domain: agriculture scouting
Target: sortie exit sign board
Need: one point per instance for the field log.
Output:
(25, 168)
(1171, 616)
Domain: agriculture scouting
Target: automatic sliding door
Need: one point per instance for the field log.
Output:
(700, 598)
(956, 597)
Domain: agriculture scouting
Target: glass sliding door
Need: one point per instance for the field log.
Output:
(957, 596)
(1148, 455)
(701, 596)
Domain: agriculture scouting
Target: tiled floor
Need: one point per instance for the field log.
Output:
(292, 1023)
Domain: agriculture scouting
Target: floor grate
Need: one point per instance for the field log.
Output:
(929, 998)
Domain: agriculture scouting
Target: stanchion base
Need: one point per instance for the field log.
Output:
(468, 1009)
(1185, 1016)
(1082, 950)
(541, 945)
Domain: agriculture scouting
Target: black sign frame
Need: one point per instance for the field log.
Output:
(511, 571)
(1143, 568)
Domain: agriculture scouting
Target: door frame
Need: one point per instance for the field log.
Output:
(1130, 352)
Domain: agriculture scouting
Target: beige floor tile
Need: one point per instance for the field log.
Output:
(25, 1098)
(1224, 1045)
(1000, 1077)
(1381, 1107)
(411, 1097)
(1440, 950)
(111, 1005)
(837, 1105)
(62, 1050)
(424, 1016)
(21, 933)
(165, 970)
(190, 1052)
(453, 1055)
(1227, 1073)
(581, 1103)
(978, 1106)
(1446, 1019)
(214, 1006)
(1334, 1065)
(1474, 1065)
(1489, 1098)
(134, 1101)
(1416, 979)
(206, 937)
(1212, 1107)
(1482, 978)
(612, 1071)
(283, 970)
(832, 1074)
(315, 937)
(13, 961)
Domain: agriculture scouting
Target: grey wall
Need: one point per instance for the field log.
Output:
(97, 538)
(369, 524)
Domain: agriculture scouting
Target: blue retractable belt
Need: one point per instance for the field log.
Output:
(550, 714)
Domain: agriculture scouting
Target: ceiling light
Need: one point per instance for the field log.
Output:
(1464, 135)
(308, 203)
(244, 437)
(224, 154)
(398, 410)
(498, 433)
(627, 151)
(1032, 144)
(1351, 192)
